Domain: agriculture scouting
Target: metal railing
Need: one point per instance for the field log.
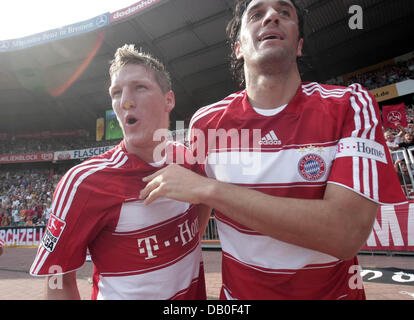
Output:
(210, 238)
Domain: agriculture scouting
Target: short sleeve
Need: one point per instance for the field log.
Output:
(363, 162)
(70, 228)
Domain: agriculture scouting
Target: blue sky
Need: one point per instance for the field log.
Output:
(21, 18)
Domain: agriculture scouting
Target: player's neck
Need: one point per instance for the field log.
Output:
(267, 91)
(150, 154)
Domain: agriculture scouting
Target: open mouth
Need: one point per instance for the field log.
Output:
(271, 38)
(271, 35)
(131, 120)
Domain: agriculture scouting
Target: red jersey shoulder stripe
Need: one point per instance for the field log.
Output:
(202, 112)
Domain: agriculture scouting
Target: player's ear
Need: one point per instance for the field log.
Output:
(238, 50)
(300, 47)
(169, 101)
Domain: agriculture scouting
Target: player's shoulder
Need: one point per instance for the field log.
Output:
(111, 157)
(94, 166)
(334, 92)
(214, 110)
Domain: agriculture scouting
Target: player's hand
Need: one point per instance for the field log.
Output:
(174, 182)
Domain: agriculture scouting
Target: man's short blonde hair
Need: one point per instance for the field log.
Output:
(128, 54)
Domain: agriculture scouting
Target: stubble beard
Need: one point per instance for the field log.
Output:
(273, 63)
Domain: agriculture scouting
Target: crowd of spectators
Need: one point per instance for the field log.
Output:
(400, 143)
(395, 73)
(26, 195)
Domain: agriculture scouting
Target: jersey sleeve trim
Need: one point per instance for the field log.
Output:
(55, 273)
(367, 197)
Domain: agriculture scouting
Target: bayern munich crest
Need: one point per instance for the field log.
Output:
(312, 167)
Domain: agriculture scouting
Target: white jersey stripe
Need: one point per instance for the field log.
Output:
(222, 102)
(262, 167)
(322, 94)
(365, 172)
(72, 176)
(357, 118)
(87, 174)
(212, 108)
(363, 102)
(325, 93)
(196, 118)
(69, 176)
(374, 118)
(375, 189)
(314, 85)
(39, 255)
(244, 248)
(356, 179)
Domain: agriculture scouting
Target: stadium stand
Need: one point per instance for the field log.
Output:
(384, 76)
(26, 193)
(24, 145)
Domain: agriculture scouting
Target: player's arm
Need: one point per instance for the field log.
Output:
(338, 224)
(62, 287)
(1, 251)
(204, 213)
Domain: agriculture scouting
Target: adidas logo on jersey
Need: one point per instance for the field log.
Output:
(270, 139)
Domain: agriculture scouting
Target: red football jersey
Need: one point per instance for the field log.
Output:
(138, 251)
(326, 134)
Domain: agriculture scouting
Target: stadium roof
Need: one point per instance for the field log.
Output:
(52, 81)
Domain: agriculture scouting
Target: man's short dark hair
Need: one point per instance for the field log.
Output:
(233, 33)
